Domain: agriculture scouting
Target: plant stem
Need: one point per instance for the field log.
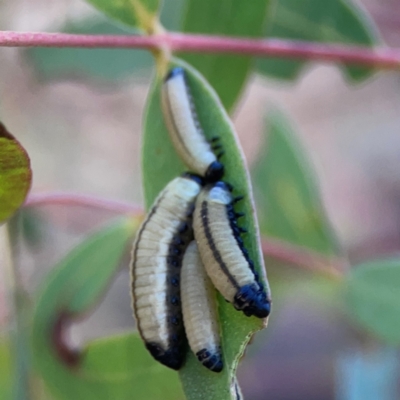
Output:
(383, 58)
(82, 200)
(332, 267)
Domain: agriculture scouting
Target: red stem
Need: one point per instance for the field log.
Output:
(377, 57)
(119, 207)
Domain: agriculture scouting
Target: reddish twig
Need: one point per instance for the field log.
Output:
(304, 258)
(375, 57)
(119, 207)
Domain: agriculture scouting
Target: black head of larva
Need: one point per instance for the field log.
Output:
(172, 358)
(215, 172)
(194, 177)
(252, 301)
(177, 71)
(212, 361)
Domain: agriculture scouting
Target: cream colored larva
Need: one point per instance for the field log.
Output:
(185, 130)
(221, 248)
(200, 310)
(155, 270)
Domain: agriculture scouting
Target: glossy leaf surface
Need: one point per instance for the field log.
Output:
(15, 174)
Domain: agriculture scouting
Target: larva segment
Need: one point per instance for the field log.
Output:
(155, 270)
(221, 248)
(184, 127)
(199, 310)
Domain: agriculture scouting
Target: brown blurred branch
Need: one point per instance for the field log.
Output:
(382, 58)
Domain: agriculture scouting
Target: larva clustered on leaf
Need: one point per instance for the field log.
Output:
(185, 130)
(200, 310)
(155, 270)
(171, 277)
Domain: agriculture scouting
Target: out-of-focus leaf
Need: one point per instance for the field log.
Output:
(110, 64)
(328, 21)
(289, 202)
(226, 73)
(115, 368)
(372, 297)
(160, 165)
(15, 174)
(5, 369)
(141, 14)
(171, 14)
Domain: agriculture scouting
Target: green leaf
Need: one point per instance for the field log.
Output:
(330, 21)
(108, 369)
(160, 165)
(372, 296)
(6, 368)
(110, 64)
(15, 174)
(226, 73)
(289, 202)
(141, 14)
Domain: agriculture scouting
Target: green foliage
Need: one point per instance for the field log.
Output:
(136, 13)
(108, 369)
(372, 296)
(5, 369)
(227, 74)
(328, 21)
(160, 165)
(15, 174)
(289, 202)
(109, 64)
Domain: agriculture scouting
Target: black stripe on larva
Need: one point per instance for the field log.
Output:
(212, 361)
(211, 244)
(173, 357)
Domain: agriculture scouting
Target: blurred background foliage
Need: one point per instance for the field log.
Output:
(325, 176)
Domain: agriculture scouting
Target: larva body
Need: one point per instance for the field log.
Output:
(199, 310)
(155, 270)
(221, 248)
(184, 127)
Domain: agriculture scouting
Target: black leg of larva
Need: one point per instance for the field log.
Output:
(220, 154)
(237, 199)
(229, 186)
(214, 139)
(239, 215)
(217, 147)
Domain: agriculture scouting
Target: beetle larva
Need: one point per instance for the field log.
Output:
(155, 270)
(185, 130)
(223, 254)
(199, 310)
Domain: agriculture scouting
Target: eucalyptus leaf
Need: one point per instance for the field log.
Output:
(372, 295)
(109, 64)
(112, 368)
(161, 164)
(287, 193)
(141, 14)
(330, 21)
(6, 367)
(226, 73)
(15, 174)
